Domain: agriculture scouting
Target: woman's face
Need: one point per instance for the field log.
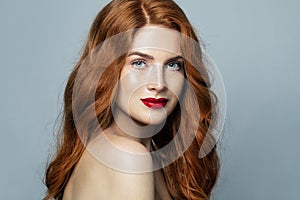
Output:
(152, 78)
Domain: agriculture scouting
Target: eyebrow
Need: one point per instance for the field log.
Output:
(173, 59)
(142, 55)
(149, 57)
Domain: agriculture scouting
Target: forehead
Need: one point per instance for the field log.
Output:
(157, 37)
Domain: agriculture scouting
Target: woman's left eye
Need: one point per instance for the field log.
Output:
(174, 65)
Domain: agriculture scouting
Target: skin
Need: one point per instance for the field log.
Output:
(148, 72)
(153, 69)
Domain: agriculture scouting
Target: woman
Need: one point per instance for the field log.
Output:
(139, 87)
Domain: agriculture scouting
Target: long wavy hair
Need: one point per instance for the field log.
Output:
(189, 176)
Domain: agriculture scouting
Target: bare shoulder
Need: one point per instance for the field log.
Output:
(92, 179)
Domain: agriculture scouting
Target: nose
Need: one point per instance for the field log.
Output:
(156, 81)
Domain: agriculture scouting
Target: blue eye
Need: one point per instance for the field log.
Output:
(138, 64)
(174, 66)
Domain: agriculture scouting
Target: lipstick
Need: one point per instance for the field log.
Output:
(154, 103)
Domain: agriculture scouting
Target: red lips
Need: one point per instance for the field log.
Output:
(155, 103)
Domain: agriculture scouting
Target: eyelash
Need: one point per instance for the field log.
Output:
(180, 64)
(134, 62)
(140, 61)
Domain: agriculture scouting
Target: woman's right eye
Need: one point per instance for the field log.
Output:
(138, 64)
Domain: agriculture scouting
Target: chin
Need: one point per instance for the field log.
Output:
(151, 119)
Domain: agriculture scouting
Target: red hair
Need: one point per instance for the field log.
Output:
(188, 177)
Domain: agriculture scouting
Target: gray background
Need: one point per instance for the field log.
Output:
(254, 43)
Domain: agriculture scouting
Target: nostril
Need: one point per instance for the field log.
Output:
(156, 86)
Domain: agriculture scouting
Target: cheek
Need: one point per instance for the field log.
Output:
(175, 83)
(128, 86)
(130, 82)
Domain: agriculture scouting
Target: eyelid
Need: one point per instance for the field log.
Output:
(174, 61)
(137, 59)
(133, 64)
(177, 60)
(179, 63)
